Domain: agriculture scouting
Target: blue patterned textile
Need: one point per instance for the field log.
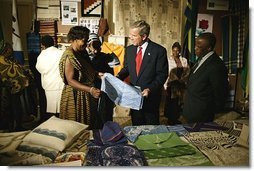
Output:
(117, 155)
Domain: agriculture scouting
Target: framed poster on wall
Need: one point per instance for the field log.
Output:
(92, 8)
(69, 11)
(204, 23)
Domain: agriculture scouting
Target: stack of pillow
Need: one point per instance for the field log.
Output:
(52, 137)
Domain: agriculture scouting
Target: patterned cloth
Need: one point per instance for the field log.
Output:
(170, 152)
(159, 141)
(118, 50)
(20, 158)
(75, 104)
(241, 9)
(196, 159)
(232, 127)
(12, 75)
(117, 155)
(110, 134)
(80, 145)
(230, 42)
(13, 81)
(120, 93)
(132, 132)
(178, 129)
(33, 42)
(235, 28)
(171, 65)
(199, 127)
(220, 148)
(163, 145)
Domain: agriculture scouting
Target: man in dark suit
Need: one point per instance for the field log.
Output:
(150, 76)
(207, 87)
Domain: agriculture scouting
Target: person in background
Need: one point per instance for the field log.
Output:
(38, 101)
(146, 63)
(175, 85)
(13, 81)
(79, 99)
(207, 86)
(48, 66)
(102, 62)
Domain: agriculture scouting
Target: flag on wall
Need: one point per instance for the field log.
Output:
(17, 46)
(190, 13)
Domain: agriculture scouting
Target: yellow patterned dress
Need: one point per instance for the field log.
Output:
(75, 104)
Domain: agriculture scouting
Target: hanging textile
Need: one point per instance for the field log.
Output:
(118, 51)
(241, 9)
(229, 42)
(190, 13)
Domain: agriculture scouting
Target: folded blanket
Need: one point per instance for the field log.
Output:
(10, 141)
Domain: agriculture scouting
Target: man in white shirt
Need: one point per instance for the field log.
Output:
(48, 65)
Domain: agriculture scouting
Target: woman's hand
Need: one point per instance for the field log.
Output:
(95, 92)
(100, 74)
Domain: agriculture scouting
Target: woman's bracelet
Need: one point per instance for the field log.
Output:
(91, 90)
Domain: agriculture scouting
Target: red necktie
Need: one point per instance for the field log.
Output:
(138, 60)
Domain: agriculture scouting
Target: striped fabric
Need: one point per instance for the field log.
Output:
(229, 42)
(33, 42)
(190, 29)
(235, 29)
(245, 69)
(48, 27)
(241, 9)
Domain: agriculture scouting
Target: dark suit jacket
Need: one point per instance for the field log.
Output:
(207, 91)
(153, 72)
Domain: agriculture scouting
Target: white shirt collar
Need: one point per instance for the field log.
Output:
(204, 59)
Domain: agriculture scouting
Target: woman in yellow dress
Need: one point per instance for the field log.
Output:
(79, 99)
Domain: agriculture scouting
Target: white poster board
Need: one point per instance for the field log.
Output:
(69, 13)
(92, 23)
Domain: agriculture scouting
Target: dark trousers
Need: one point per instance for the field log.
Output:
(141, 117)
(11, 110)
(105, 111)
(172, 110)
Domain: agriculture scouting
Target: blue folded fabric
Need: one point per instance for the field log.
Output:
(121, 93)
(110, 134)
